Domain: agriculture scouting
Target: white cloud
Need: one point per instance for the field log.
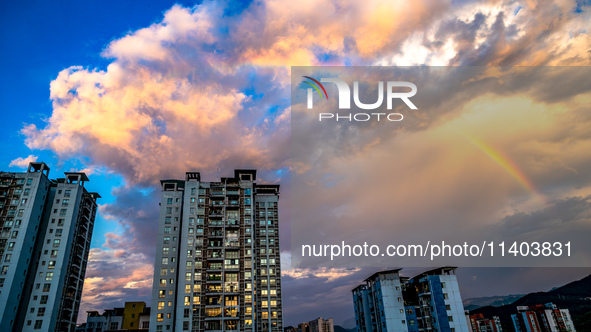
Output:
(23, 162)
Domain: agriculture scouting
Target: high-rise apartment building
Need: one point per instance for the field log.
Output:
(46, 228)
(217, 261)
(430, 301)
(542, 318)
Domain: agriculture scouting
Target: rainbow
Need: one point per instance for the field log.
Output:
(509, 166)
(315, 87)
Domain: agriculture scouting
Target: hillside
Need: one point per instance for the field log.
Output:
(495, 301)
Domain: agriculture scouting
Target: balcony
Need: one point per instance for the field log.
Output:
(216, 223)
(216, 233)
(232, 223)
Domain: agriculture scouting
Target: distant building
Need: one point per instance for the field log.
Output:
(321, 325)
(46, 228)
(430, 301)
(542, 318)
(135, 316)
(481, 324)
(316, 325)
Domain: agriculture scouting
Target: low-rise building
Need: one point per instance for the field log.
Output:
(135, 316)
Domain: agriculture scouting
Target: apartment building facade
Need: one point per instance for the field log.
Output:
(217, 262)
(44, 245)
(542, 318)
(430, 301)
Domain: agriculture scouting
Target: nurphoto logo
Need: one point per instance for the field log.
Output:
(344, 92)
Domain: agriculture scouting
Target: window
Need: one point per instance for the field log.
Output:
(164, 260)
(165, 250)
(51, 265)
(4, 270)
(447, 307)
(17, 223)
(43, 299)
(169, 201)
(445, 296)
(49, 276)
(67, 193)
(450, 318)
(162, 282)
(38, 323)
(65, 202)
(58, 232)
(7, 257)
(63, 212)
(187, 300)
(60, 222)
(27, 191)
(10, 246)
(167, 220)
(20, 212)
(56, 243)
(166, 230)
(160, 305)
(163, 271)
(46, 287)
(114, 326)
(24, 201)
(40, 312)
(54, 253)
(442, 285)
(161, 293)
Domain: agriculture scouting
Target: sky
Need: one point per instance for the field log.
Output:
(137, 91)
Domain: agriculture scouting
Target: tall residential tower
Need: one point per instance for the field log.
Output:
(217, 261)
(430, 301)
(46, 227)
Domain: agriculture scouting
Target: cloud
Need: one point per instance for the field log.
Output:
(190, 91)
(115, 276)
(23, 163)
